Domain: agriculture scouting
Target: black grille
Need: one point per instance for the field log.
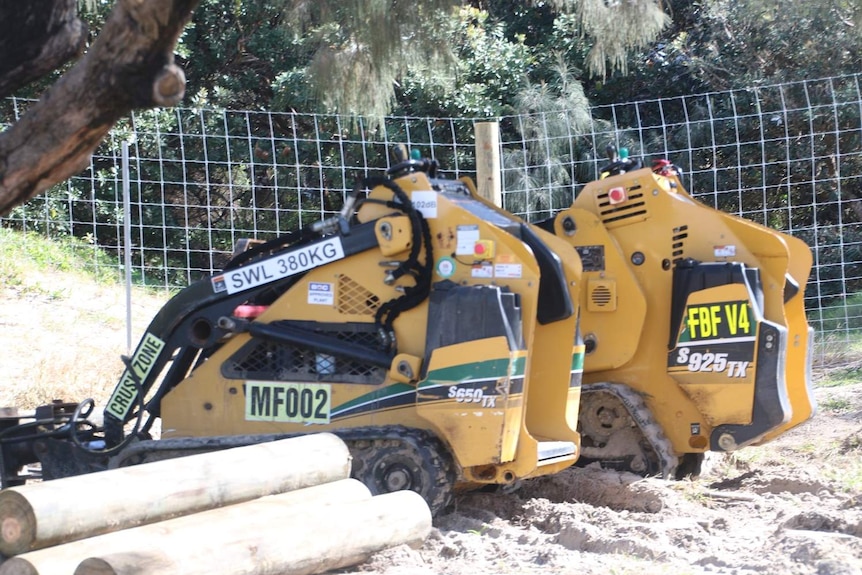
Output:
(275, 361)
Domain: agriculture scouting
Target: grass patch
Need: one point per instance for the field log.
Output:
(839, 376)
(835, 405)
(838, 330)
(845, 316)
(846, 471)
(29, 260)
(64, 321)
(837, 349)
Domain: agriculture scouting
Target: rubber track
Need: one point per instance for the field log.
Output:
(430, 455)
(643, 418)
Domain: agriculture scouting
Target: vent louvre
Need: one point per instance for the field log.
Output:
(680, 234)
(601, 296)
(354, 299)
(633, 207)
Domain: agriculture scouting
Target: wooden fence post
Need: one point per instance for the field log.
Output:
(488, 176)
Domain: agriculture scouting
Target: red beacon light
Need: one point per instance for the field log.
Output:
(617, 195)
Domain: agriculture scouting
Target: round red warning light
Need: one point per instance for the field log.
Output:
(479, 249)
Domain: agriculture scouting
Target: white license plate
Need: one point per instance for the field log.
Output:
(281, 266)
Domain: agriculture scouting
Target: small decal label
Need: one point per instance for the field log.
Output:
(287, 402)
(321, 293)
(483, 270)
(724, 251)
(510, 271)
(467, 238)
(445, 267)
(425, 203)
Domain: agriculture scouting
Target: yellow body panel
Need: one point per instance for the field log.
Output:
(801, 341)
(728, 396)
(658, 225)
(608, 314)
(487, 426)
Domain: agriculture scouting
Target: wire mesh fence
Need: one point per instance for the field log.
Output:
(788, 156)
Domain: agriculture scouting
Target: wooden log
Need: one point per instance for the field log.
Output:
(39, 515)
(142, 545)
(329, 537)
(132, 562)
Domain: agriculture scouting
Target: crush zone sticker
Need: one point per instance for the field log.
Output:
(142, 362)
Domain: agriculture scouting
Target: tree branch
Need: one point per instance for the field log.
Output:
(36, 38)
(129, 66)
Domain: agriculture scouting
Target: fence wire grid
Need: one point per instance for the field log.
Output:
(786, 156)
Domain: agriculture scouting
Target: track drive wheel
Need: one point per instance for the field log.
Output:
(393, 458)
(618, 430)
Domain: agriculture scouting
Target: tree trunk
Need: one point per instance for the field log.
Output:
(43, 514)
(129, 66)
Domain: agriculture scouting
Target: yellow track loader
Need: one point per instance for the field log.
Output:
(694, 324)
(453, 345)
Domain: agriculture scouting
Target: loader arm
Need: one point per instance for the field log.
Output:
(189, 325)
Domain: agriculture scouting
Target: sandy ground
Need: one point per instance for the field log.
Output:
(791, 507)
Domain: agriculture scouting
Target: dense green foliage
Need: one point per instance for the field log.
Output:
(551, 67)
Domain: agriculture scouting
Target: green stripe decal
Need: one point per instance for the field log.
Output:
(377, 395)
(578, 361)
(476, 370)
(400, 394)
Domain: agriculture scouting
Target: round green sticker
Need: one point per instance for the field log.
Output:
(445, 267)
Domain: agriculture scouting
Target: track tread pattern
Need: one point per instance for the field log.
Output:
(426, 451)
(643, 418)
(426, 454)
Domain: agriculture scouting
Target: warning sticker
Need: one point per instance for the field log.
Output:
(445, 267)
(425, 203)
(144, 359)
(484, 270)
(510, 271)
(467, 238)
(724, 251)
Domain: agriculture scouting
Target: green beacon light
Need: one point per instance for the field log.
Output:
(415, 154)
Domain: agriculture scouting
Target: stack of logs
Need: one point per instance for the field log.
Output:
(282, 508)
